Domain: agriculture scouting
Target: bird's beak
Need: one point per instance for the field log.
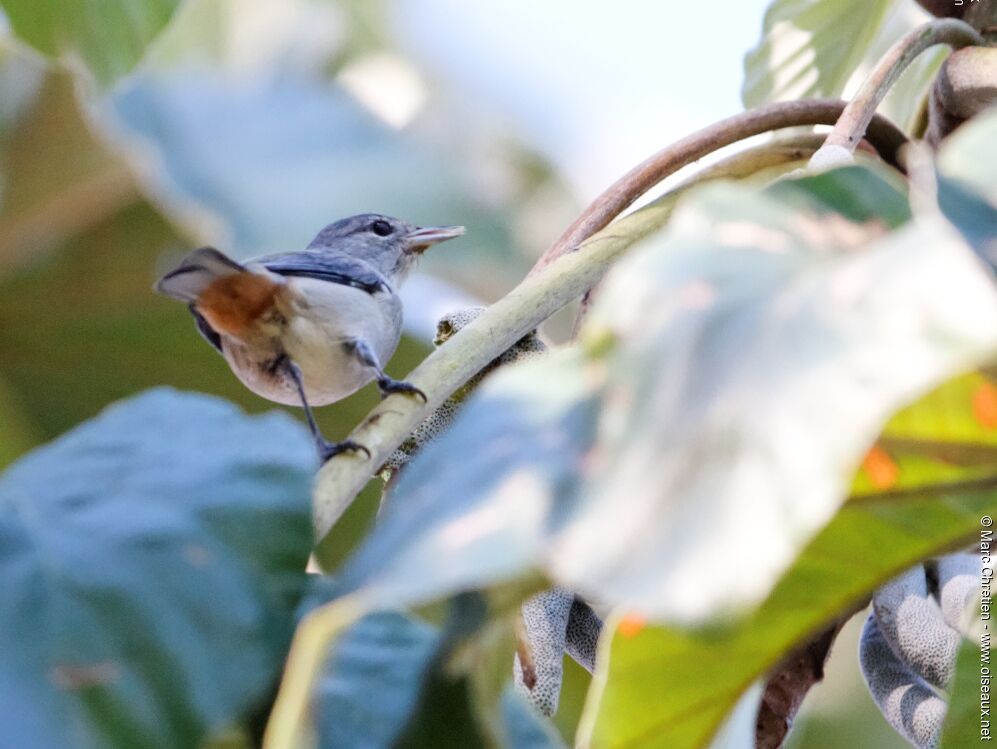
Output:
(421, 239)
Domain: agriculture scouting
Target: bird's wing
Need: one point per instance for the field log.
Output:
(327, 266)
(209, 334)
(322, 265)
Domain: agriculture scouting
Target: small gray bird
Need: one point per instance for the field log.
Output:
(309, 328)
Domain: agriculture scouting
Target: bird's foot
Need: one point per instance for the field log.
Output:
(328, 449)
(387, 386)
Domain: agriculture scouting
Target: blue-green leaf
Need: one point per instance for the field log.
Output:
(386, 684)
(151, 560)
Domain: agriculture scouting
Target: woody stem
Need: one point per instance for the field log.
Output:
(857, 116)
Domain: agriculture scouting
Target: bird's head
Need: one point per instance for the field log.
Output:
(389, 244)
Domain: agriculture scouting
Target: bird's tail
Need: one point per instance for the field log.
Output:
(229, 296)
(197, 272)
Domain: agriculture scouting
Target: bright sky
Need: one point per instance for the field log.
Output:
(597, 86)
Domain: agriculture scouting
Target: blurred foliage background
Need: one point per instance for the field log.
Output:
(249, 124)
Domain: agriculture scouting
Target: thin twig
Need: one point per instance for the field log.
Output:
(852, 124)
(883, 135)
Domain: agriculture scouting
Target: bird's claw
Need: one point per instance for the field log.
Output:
(387, 386)
(327, 450)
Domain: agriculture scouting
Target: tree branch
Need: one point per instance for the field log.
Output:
(857, 116)
(883, 135)
(740, 165)
(788, 685)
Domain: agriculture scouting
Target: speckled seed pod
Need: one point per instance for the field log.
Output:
(959, 588)
(555, 622)
(911, 640)
(906, 700)
(582, 638)
(911, 620)
(527, 347)
(545, 622)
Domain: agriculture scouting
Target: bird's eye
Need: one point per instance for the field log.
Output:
(381, 228)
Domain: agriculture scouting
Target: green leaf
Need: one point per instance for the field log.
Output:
(672, 687)
(948, 436)
(964, 724)
(801, 55)
(110, 36)
(152, 560)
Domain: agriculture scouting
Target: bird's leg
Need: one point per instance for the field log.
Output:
(385, 384)
(326, 449)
